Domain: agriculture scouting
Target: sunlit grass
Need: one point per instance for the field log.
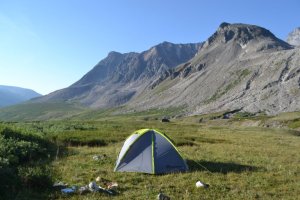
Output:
(241, 163)
(237, 161)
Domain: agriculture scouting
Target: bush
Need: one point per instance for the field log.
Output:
(35, 176)
(16, 150)
(244, 115)
(23, 162)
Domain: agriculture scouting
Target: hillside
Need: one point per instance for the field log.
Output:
(28, 111)
(120, 77)
(11, 95)
(240, 66)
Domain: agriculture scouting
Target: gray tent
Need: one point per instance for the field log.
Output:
(149, 151)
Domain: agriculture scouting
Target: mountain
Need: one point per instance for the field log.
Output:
(121, 77)
(11, 95)
(294, 37)
(240, 67)
(243, 67)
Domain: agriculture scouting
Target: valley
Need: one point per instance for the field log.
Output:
(241, 157)
(229, 104)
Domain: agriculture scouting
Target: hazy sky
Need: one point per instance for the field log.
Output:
(46, 45)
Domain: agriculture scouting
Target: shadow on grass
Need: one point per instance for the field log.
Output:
(294, 132)
(219, 167)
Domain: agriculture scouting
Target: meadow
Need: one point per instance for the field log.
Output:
(244, 157)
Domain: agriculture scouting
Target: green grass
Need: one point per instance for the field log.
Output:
(242, 162)
(294, 124)
(39, 111)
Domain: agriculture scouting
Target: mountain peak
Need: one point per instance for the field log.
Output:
(224, 24)
(294, 37)
(242, 34)
(114, 53)
(165, 43)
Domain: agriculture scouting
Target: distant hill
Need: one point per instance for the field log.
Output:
(10, 95)
(294, 37)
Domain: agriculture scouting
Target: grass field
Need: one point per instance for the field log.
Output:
(238, 159)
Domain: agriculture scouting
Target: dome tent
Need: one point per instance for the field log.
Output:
(149, 151)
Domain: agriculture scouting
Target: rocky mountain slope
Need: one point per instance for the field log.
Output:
(294, 37)
(10, 95)
(120, 77)
(239, 67)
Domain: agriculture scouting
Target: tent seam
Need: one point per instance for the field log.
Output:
(153, 162)
(136, 132)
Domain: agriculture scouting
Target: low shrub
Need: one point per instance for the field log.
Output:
(23, 162)
(35, 177)
(244, 115)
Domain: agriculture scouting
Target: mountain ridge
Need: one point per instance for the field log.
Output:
(240, 67)
(11, 95)
(225, 65)
(121, 76)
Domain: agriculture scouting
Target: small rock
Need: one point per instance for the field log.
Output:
(165, 120)
(162, 196)
(200, 184)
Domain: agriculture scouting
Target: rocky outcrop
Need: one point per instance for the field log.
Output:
(294, 37)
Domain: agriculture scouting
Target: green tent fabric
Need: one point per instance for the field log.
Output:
(150, 151)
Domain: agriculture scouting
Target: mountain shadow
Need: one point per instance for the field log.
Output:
(219, 167)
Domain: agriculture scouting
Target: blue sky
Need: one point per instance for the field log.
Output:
(48, 45)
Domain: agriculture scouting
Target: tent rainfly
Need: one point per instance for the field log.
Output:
(149, 151)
